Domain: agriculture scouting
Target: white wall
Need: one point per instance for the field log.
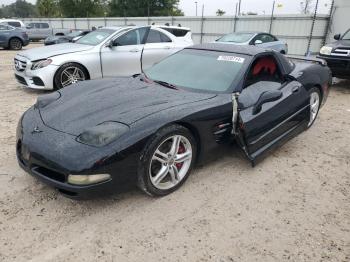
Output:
(294, 29)
(341, 18)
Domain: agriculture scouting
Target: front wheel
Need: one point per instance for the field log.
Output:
(315, 102)
(68, 74)
(167, 161)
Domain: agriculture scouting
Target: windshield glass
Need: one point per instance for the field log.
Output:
(347, 35)
(236, 37)
(207, 71)
(95, 37)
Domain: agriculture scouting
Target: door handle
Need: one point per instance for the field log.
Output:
(134, 50)
(295, 89)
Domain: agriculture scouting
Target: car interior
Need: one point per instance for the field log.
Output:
(264, 69)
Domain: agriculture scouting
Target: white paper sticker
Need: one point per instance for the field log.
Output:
(100, 37)
(235, 59)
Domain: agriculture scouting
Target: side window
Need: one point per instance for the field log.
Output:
(264, 68)
(30, 26)
(133, 37)
(165, 38)
(44, 25)
(37, 25)
(15, 24)
(3, 28)
(267, 38)
(153, 37)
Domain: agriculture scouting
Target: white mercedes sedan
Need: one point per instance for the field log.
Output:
(106, 52)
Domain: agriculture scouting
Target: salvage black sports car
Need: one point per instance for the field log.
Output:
(150, 129)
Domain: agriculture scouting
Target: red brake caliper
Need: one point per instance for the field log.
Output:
(180, 151)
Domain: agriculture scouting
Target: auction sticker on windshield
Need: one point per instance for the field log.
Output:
(235, 59)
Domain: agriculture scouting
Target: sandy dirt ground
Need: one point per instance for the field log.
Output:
(293, 206)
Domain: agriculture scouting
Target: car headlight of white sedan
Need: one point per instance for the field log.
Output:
(41, 63)
(326, 50)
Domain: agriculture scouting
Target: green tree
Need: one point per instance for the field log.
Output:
(81, 8)
(144, 8)
(20, 8)
(220, 12)
(47, 8)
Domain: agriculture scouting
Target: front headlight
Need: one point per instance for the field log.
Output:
(41, 63)
(102, 134)
(326, 50)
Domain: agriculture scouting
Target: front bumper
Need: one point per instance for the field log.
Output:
(36, 79)
(51, 155)
(340, 66)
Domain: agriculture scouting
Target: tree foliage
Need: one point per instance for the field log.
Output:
(81, 8)
(144, 8)
(220, 12)
(47, 8)
(20, 8)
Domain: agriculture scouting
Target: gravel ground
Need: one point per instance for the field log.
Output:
(293, 206)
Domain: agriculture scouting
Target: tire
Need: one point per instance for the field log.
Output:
(150, 166)
(15, 44)
(315, 103)
(62, 79)
(283, 52)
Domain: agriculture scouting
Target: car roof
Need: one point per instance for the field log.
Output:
(172, 27)
(239, 49)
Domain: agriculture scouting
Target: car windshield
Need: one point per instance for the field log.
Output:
(95, 37)
(236, 37)
(74, 33)
(346, 36)
(199, 70)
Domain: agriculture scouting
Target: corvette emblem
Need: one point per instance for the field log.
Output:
(36, 130)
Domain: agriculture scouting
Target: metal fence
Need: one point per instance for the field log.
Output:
(303, 33)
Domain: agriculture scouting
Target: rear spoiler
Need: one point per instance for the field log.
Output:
(306, 59)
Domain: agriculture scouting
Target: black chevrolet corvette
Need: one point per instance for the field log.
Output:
(150, 129)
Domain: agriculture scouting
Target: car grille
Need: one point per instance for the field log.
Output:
(20, 65)
(21, 80)
(341, 52)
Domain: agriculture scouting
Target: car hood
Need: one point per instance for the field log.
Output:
(124, 100)
(340, 43)
(54, 50)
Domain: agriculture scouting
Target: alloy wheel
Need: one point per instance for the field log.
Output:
(16, 44)
(71, 75)
(314, 107)
(170, 162)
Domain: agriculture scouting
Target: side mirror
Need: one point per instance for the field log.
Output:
(268, 96)
(258, 42)
(337, 37)
(28, 27)
(110, 44)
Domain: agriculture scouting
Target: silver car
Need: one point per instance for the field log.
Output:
(106, 52)
(260, 39)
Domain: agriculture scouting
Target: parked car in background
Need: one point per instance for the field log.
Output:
(42, 30)
(260, 39)
(106, 52)
(150, 130)
(337, 55)
(71, 37)
(13, 22)
(12, 37)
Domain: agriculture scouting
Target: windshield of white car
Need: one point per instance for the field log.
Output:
(346, 36)
(199, 70)
(95, 37)
(236, 37)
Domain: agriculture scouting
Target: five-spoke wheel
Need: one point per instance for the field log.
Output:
(314, 105)
(167, 161)
(68, 74)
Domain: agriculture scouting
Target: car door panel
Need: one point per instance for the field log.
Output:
(275, 118)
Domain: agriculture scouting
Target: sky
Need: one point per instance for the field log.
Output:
(259, 6)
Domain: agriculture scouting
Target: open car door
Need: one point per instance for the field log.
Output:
(269, 113)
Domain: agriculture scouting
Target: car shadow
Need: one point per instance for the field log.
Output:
(342, 85)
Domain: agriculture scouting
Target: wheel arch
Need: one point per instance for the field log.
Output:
(15, 37)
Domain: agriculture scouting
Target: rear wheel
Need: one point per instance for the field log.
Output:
(167, 161)
(15, 44)
(68, 74)
(315, 102)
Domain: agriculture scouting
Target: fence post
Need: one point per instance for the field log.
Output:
(235, 18)
(272, 13)
(202, 24)
(88, 23)
(329, 21)
(312, 29)
(62, 23)
(75, 23)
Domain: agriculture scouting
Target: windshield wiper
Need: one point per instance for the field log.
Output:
(166, 84)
